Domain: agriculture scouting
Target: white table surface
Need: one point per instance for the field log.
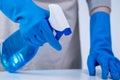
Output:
(49, 75)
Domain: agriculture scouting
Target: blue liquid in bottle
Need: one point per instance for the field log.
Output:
(15, 52)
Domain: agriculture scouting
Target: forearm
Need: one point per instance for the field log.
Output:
(102, 8)
(99, 5)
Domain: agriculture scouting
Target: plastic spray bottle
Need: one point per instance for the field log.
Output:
(14, 56)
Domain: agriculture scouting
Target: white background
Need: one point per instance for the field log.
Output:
(84, 29)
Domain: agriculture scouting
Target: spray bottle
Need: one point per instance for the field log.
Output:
(14, 56)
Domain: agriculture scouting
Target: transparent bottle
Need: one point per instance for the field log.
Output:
(15, 52)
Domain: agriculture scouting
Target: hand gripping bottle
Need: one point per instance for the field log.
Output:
(15, 52)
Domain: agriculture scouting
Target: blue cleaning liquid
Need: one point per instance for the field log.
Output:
(15, 52)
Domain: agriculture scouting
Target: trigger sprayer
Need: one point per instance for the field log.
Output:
(58, 21)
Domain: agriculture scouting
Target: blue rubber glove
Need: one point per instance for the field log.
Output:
(101, 47)
(34, 25)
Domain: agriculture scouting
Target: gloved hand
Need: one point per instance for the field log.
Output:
(101, 47)
(34, 25)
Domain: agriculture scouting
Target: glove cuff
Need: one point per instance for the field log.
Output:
(100, 14)
(100, 32)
